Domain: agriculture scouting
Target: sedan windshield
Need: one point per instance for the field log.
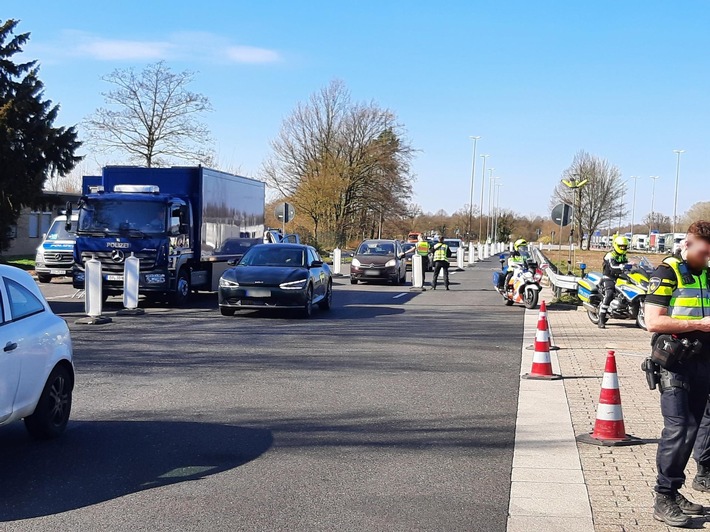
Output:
(271, 255)
(376, 248)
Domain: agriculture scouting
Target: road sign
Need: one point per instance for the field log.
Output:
(562, 214)
(284, 212)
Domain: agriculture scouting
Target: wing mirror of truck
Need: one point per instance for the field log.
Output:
(67, 225)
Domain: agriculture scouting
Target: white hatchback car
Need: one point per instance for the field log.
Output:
(36, 367)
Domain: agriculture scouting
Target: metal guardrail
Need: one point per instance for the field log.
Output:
(558, 282)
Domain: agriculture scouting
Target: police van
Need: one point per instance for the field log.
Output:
(55, 255)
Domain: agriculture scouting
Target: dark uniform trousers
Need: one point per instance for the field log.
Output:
(441, 265)
(686, 423)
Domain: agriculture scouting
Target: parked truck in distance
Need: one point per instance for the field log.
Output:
(182, 223)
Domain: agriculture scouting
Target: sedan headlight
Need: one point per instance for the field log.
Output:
(356, 263)
(227, 283)
(390, 263)
(294, 285)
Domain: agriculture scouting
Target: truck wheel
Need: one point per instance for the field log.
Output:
(182, 289)
(44, 277)
(51, 415)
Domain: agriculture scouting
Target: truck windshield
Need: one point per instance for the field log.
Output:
(122, 217)
(58, 231)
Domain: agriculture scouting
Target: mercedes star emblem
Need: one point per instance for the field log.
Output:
(117, 255)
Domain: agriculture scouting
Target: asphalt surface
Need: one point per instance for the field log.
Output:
(393, 411)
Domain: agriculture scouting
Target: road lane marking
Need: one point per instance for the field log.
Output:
(400, 295)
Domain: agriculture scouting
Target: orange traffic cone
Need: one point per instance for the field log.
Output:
(609, 427)
(542, 316)
(541, 365)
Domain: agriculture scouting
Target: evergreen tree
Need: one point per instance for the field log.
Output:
(31, 148)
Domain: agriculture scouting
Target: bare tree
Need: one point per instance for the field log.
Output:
(597, 202)
(658, 222)
(697, 211)
(353, 156)
(152, 116)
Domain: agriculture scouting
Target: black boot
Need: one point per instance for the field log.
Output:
(701, 482)
(602, 320)
(666, 510)
(687, 507)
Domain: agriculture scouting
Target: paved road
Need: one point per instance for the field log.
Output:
(393, 411)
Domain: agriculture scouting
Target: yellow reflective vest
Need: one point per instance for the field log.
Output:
(440, 252)
(423, 248)
(689, 300)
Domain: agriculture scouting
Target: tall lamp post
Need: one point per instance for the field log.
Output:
(633, 209)
(653, 200)
(480, 218)
(675, 196)
(489, 218)
(473, 179)
(496, 212)
(575, 183)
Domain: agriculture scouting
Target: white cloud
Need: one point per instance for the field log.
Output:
(250, 54)
(188, 46)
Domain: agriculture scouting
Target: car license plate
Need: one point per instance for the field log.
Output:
(57, 272)
(372, 272)
(258, 292)
(114, 277)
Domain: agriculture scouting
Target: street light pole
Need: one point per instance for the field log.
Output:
(480, 218)
(653, 199)
(473, 179)
(633, 209)
(484, 157)
(675, 197)
(497, 212)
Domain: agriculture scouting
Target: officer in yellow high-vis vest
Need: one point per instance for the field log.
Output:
(442, 252)
(678, 307)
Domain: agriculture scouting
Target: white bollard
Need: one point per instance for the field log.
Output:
(486, 250)
(93, 293)
(480, 251)
(471, 254)
(131, 280)
(510, 247)
(337, 261)
(417, 273)
(459, 258)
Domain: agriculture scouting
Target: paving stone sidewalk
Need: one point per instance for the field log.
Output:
(620, 480)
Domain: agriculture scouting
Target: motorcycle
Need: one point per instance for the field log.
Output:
(524, 286)
(629, 293)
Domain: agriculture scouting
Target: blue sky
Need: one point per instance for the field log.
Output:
(538, 81)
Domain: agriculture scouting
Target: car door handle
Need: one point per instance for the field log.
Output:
(10, 346)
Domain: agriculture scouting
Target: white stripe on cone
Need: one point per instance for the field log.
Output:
(542, 336)
(541, 357)
(610, 381)
(609, 412)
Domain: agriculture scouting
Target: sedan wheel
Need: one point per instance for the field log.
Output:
(308, 307)
(327, 301)
(51, 415)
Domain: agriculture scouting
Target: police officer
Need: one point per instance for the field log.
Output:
(678, 303)
(515, 260)
(614, 264)
(441, 262)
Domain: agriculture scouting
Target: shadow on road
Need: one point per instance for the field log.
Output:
(103, 460)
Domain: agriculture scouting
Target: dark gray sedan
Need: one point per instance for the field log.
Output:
(277, 276)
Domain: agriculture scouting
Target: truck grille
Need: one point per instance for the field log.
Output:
(109, 265)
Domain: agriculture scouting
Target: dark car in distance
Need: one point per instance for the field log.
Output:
(277, 276)
(379, 260)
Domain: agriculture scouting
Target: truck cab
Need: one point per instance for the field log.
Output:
(55, 255)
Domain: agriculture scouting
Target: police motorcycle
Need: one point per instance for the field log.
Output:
(524, 286)
(630, 293)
